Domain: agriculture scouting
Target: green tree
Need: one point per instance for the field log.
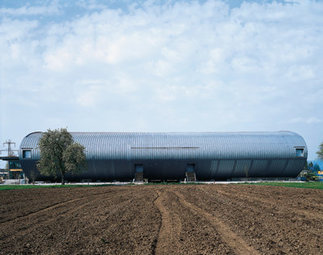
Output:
(320, 152)
(59, 154)
(317, 168)
(310, 166)
(74, 158)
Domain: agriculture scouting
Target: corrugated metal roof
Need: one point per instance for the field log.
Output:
(175, 145)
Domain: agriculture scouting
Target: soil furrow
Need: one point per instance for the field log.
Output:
(162, 219)
(65, 209)
(258, 210)
(26, 229)
(270, 204)
(297, 198)
(269, 228)
(22, 213)
(43, 210)
(169, 233)
(233, 240)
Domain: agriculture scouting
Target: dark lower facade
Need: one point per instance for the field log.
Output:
(167, 170)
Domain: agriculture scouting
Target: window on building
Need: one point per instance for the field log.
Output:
(139, 168)
(299, 152)
(26, 153)
(190, 168)
(14, 165)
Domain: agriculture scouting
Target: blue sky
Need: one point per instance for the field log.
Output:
(162, 66)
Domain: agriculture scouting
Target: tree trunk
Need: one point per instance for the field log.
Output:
(62, 173)
(63, 181)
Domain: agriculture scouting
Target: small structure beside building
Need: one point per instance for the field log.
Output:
(14, 170)
(320, 176)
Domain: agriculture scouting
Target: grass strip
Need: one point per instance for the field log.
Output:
(30, 186)
(305, 185)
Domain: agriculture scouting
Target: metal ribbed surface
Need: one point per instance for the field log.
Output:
(220, 156)
(149, 146)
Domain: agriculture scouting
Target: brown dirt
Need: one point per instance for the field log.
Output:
(162, 219)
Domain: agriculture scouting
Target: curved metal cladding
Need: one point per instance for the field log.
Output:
(113, 156)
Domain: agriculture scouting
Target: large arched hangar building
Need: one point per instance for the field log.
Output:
(212, 156)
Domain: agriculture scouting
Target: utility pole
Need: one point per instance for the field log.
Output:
(10, 151)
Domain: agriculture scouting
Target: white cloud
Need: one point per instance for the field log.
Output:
(173, 66)
(13, 30)
(90, 96)
(308, 120)
(300, 73)
(30, 10)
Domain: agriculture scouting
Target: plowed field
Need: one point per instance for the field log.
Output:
(162, 219)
